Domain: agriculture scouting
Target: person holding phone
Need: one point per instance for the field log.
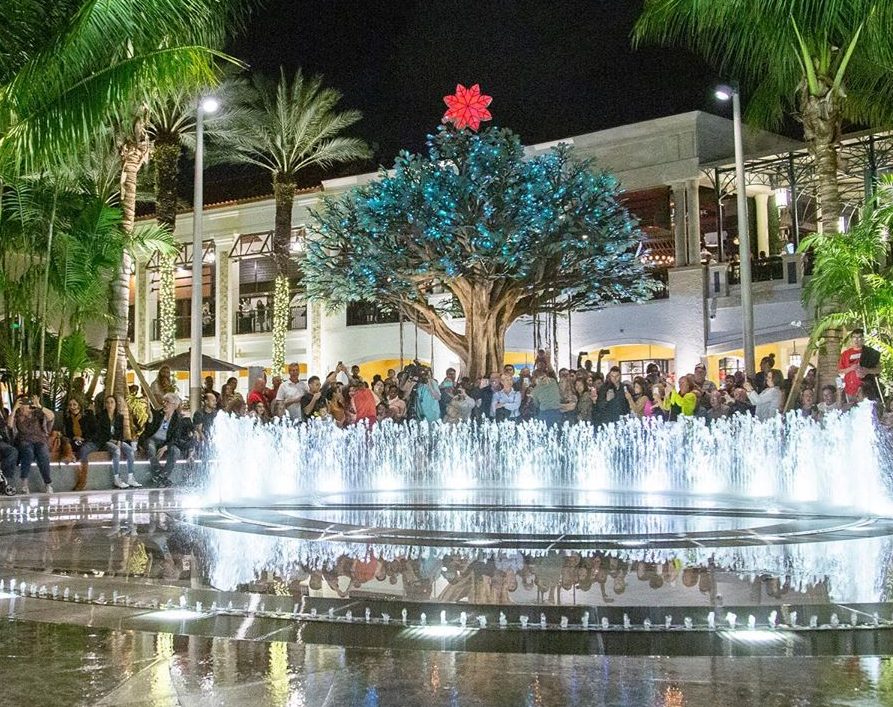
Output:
(30, 423)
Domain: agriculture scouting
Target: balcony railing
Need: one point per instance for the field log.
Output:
(362, 313)
(183, 327)
(763, 270)
(254, 322)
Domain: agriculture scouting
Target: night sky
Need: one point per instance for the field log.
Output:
(554, 69)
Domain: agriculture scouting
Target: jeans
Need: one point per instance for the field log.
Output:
(28, 452)
(85, 449)
(126, 449)
(172, 454)
(9, 460)
(550, 417)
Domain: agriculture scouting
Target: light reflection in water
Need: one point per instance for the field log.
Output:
(787, 462)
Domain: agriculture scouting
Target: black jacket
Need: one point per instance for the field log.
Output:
(615, 408)
(179, 431)
(88, 426)
(109, 431)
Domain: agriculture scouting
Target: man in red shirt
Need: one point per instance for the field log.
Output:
(858, 364)
(258, 393)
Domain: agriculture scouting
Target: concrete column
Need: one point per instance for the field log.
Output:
(792, 269)
(223, 303)
(678, 191)
(142, 324)
(718, 280)
(687, 310)
(693, 222)
(314, 334)
(761, 200)
(151, 315)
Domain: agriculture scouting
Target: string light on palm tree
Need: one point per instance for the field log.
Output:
(284, 127)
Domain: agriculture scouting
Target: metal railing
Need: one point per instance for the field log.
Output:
(260, 322)
(762, 270)
(362, 313)
(183, 327)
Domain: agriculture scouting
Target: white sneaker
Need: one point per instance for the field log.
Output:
(119, 484)
(133, 483)
(49, 488)
(24, 488)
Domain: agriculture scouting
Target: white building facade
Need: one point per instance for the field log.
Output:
(675, 175)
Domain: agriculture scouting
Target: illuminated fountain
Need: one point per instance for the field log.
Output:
(784, 496)
(740, 536)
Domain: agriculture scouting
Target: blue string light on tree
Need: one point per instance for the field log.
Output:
(477, 217)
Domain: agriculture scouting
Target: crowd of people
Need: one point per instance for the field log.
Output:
(160, 428)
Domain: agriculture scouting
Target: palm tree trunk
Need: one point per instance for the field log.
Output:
(46, 288)
(134, 153)
(821, 128)
(284, 194)
(166, 158)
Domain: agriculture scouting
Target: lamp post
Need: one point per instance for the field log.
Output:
(207, 104)
(724, 93)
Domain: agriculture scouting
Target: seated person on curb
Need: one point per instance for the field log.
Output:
(9, 457)
(79, 425)
(30, 423)
(166, 439)
(110, 438)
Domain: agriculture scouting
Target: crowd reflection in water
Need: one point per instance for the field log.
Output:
(159, 547)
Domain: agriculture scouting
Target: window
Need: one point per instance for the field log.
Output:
(729, 366)
(636, 369)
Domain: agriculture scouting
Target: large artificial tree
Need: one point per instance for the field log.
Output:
(819, 61)
(503, 234)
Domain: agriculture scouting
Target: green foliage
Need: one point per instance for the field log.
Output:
(476, 213)
(288, 125)
(69, 71)
(852, 280)
(779, 49)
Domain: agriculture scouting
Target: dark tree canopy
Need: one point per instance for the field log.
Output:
(507, 235)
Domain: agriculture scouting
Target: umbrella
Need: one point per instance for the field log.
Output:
(180, 362)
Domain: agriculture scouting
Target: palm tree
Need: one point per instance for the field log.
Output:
(822, 61)
(171, 129)
(91, 66)
(851, 280)
(286, 127)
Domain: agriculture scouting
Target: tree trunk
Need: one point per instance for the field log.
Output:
(284, 193)
(485, 353)
(45, 293)
(166, 158)
(488, 312)
(133, 155)
(821, 128)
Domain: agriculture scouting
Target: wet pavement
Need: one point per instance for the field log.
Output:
(56, 664)
(109, 599)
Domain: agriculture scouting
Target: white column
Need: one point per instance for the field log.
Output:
(761, 210)
(693, 221)
(223, 303)
(141, 327)
(151, 313)
(314, 335)
(678, 191)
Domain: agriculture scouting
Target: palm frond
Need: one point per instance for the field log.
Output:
(289, 125)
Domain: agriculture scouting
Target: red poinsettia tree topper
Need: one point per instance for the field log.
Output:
(467, 107)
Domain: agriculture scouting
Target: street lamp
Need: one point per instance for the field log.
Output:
(724, 93)
(206, 104)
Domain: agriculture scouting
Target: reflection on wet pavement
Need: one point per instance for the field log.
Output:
(85, 666)
(88, 666)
